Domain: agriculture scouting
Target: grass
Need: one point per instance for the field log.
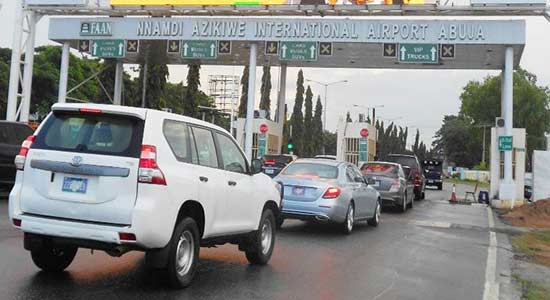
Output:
(536, 245)
(484, 185)
(533, 291)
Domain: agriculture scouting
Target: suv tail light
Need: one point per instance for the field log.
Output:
(149, 171)
(332, 192)
(269, 162)
(22, 156)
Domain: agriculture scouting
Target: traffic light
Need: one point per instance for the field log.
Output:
(290, 146)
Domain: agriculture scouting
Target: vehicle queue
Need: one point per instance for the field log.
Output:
(122, 179)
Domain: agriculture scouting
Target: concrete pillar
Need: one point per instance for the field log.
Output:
(281, 101)
(28, 69)
(15, 69)
(507, 190)
(64, 73)
(248, 129)
(117, 98)
(144, 84)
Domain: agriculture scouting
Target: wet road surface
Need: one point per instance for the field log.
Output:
(435, 251)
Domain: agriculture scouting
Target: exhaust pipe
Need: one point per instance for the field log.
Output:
(322, 218)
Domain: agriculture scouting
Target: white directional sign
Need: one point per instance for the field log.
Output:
(299, 51)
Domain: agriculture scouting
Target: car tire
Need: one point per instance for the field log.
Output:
(53, 259)
(440, 187)
(184, 254)
(375, 220)
(404, 205)
(423, 196)
(411, 205)
(262, 241)
(347, 227)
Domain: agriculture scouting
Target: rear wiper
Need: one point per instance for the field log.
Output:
(81, 148)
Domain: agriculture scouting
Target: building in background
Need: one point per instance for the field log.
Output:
(266, 136)
(224, 89)
(356, 142)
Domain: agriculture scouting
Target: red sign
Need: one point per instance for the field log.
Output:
(263, 128)
(364, 132)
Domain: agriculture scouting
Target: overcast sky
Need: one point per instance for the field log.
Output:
(419, 98)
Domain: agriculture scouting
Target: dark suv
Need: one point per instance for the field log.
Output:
(416, 174)
(274, 164)
(433, 170)
(12, 134)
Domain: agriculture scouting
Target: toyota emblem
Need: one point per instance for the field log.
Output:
(77, 161)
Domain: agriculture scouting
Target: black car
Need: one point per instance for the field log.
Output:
(416, 174)
(433, 171)
(274, 164)
(12, 134)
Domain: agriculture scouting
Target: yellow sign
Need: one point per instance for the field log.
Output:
(198, 2)
(225, 2)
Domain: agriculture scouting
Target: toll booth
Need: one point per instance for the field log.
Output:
(266, 138)
(356, 142)
(500, 144)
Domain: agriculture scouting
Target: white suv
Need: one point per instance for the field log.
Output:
(121, 178)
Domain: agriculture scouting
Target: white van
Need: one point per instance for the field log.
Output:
(119, 178)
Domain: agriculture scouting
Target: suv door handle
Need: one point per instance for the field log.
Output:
(232, 183)
(203, 179)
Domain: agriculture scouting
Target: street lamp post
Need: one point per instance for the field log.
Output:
(326, 85)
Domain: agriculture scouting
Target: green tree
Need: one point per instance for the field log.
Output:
(416, 145)
(244, 93)
(318, 127)
(308, 124)
(297, 120)
(481, 104)
(5, 60)
(265, 91)
(190, 104)
(330, 142)
(458, 141)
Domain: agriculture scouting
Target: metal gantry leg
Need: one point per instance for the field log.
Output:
(15, 70)
(281, 101)
(117, 98)
(249, 128)
(28, 69)
(507, 189)
(64, 73)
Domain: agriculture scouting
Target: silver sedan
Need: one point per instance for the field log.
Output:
(328, 191)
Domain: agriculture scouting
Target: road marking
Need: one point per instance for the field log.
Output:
(491, 288)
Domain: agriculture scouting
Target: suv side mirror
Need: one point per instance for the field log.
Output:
(256, 166)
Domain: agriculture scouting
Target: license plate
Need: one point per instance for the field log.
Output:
(75, 185)
(298, 191)
(430, 181)
(269, 171)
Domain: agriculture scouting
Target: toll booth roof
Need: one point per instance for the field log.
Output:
(328, 42)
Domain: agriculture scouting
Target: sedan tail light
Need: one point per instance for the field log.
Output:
(149, 171)
(396, 185)
(332, 192)
(22, 156)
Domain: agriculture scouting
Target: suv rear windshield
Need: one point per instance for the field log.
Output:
(91, 133)
(408, 161)
(311, 170)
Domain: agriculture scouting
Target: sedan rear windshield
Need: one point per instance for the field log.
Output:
(380, 169)
(91, 133)
(279, 159)
(311, 170)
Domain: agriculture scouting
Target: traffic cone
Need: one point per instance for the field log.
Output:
(453, 194)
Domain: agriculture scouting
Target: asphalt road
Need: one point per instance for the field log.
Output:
(435, 251)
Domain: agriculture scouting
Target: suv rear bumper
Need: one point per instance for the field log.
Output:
(46, 226)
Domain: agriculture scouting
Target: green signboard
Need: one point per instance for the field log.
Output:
(298, 51)
(199, 49)
(505, 143)
(262, 144)
(108, 48)
(419, 53)
(364, 149)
